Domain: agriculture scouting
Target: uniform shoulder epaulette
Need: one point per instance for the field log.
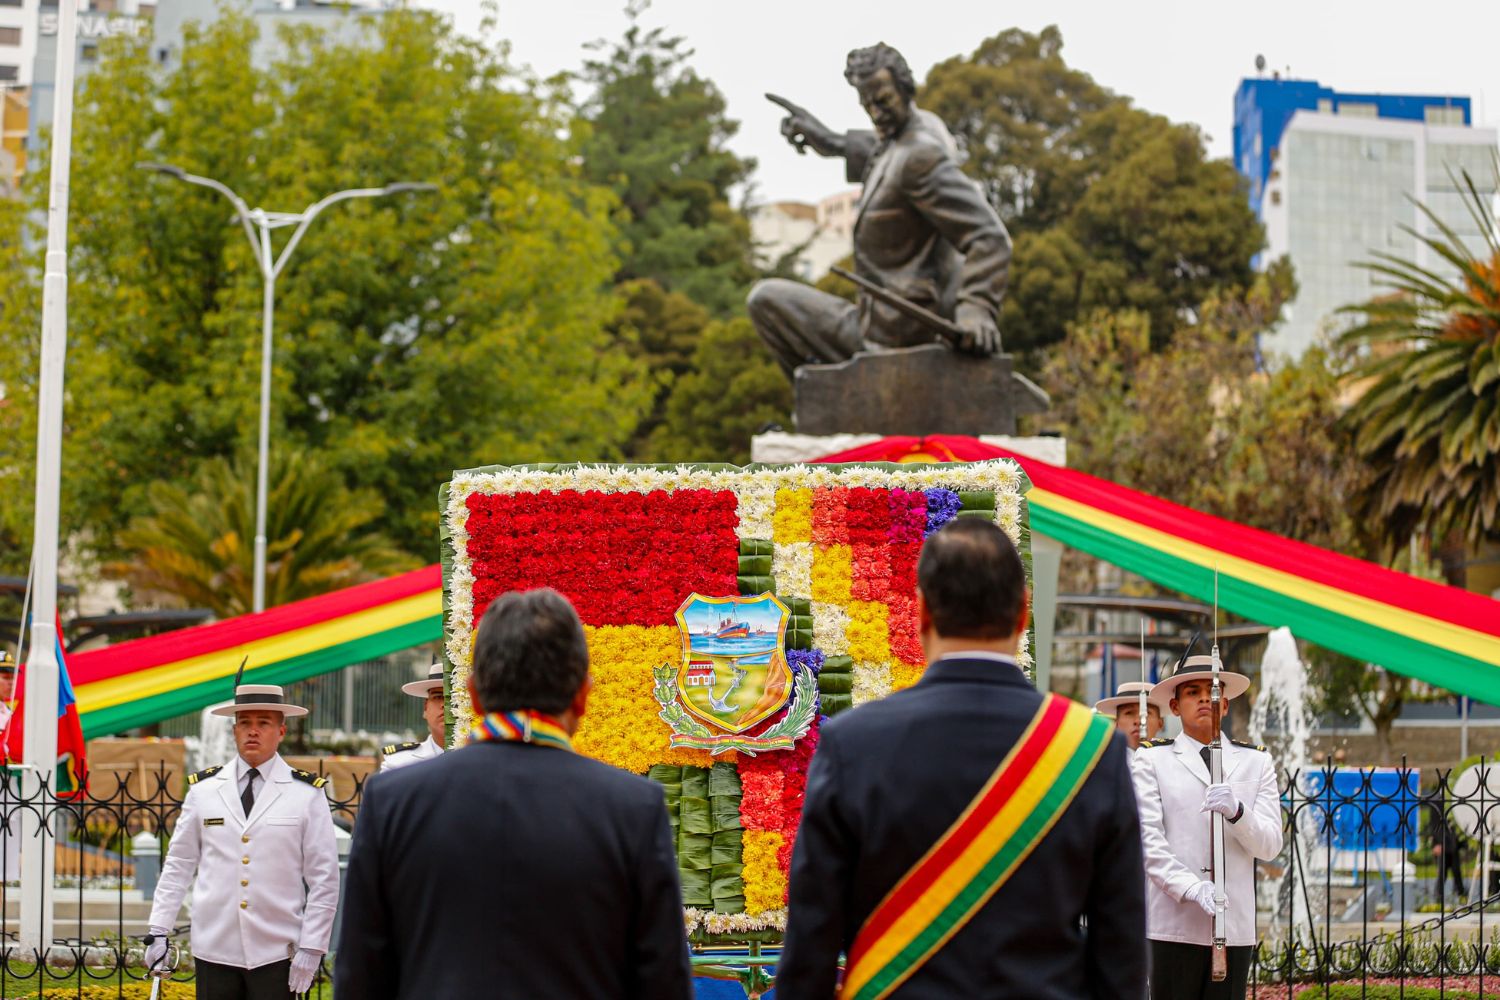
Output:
(207, 772)
(1155, 743)
(317, 781)
(1249, 746)
(391, 748)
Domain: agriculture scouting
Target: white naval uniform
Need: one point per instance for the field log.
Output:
(426, 750)
(1170, 781)
(248, 902)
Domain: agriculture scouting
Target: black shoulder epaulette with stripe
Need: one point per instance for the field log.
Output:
(207, 772)
(391, 748)
(317, 781)
(1155, 743)
(1249, 746)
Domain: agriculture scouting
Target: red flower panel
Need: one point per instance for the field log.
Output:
(621, 558)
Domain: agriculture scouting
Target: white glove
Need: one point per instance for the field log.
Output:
(156, 951)
(1203, 895)
(1220, 799)
(304, 967)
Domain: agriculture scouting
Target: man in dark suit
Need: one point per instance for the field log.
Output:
(923, 230)
(891, 777)
(513, 867)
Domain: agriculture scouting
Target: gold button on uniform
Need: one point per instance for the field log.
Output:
(245, 860)
(244, 905)
(244, 840)
(244, 881)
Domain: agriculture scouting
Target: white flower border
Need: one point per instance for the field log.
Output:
(733, 923)
(756, 489)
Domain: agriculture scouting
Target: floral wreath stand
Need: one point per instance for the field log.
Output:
(832, 549)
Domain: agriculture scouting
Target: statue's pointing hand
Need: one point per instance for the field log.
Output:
(981, 333)
(802, 129)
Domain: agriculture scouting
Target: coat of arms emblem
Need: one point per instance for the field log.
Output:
(733, 678)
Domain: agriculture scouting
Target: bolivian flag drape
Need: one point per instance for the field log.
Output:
(147, 680)
(1442, 635)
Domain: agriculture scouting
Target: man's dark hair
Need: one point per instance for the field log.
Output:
(529, 652)
(866, 62)
(972, 580)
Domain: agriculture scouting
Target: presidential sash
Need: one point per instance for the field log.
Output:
(1027, 794)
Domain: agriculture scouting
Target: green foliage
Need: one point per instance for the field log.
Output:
(733, 390)
(662, 330)
(415, 334)
(658, 137)
(1111, 207)
(1196, 423)
(196, 547)
(1428, 423)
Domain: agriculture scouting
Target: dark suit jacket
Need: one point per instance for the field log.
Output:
(922, 229)
(508, 870)
(890, 777)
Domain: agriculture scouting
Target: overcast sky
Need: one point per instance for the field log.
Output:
(1179, 59)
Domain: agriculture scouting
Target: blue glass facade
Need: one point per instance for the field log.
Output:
(1263, 107)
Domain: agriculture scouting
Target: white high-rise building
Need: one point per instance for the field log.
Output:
(1338, 178)
(1348, 188)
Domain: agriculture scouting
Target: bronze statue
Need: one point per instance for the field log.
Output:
(923, 234)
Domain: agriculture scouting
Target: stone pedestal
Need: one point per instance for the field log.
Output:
(914, 391)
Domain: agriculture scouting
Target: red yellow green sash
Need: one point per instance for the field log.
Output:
(1027, 794)
(521, 727)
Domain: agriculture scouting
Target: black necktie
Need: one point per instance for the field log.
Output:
(247, 799)
(1203, 752)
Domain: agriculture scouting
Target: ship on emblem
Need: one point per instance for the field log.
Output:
(733, 676)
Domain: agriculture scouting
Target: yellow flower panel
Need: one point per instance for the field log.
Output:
(792, 521)
(765, 885)
(832, 573)
(869, 631)
(621, 725)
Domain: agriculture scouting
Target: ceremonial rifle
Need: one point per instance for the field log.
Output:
(1141, 722)
(944, 328)
(1220, 968)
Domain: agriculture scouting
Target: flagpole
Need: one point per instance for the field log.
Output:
(37, 854)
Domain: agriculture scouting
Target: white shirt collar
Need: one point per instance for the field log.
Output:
(977, 654)
(1194, 745)
(242, 766)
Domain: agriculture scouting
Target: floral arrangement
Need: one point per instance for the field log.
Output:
(838, 545)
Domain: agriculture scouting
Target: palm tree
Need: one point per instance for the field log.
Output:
(1428, 425)
(196, 549)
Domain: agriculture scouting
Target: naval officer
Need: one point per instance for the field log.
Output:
(1125, 709)
(1176, 800)
(430, 690)
(259, 836)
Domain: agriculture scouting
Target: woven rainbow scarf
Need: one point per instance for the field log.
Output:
(524, 726)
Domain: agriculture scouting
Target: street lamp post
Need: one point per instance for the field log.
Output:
(258, 224)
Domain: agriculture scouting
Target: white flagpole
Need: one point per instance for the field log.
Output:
(42, 667)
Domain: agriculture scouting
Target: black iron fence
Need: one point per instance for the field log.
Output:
(1388, 885)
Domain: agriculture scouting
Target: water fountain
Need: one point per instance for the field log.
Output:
(215, 741)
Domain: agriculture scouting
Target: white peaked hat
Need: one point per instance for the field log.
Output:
(1201, 668)
(424, 687)
(1129, 694)
(260, 697)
